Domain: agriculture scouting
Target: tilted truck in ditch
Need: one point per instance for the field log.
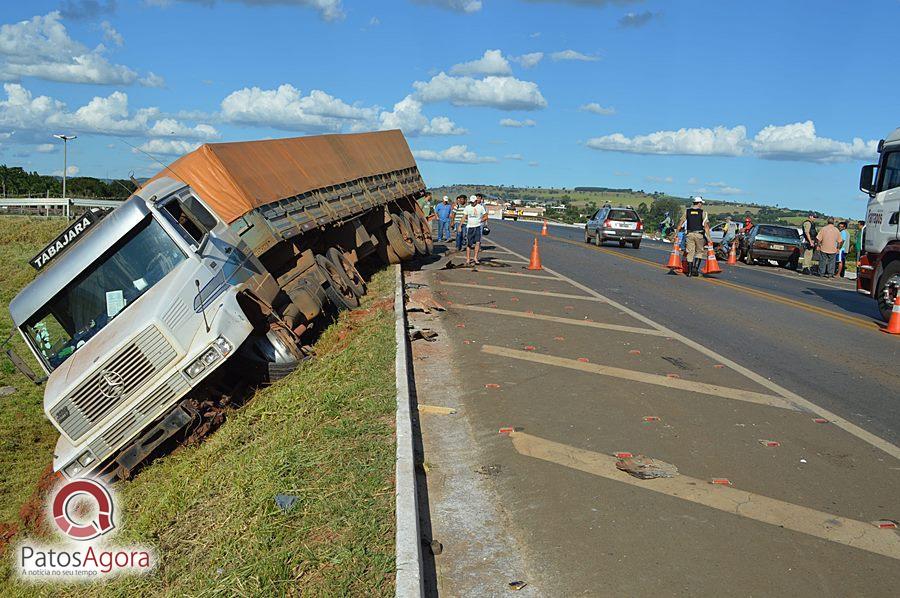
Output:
(878, 272)
(226, 257)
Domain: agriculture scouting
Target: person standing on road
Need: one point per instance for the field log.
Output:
(697, 222)
(860, 239)
(809, 243)
(475, 215)
(458, 221)
(828, 240)
(729, 231)
(444, 211)
(844, 249)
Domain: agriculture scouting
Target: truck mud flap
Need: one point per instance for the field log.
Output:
(175, 421)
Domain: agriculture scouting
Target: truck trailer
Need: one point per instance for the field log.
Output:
(878, 273)
(229, 255)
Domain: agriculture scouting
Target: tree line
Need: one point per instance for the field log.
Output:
(18, 182)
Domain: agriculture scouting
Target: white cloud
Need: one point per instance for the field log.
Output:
(573, 55)
(534, 164)
(595, 108)
(86, 9)
(798, 141)
(168, 147)
(71, 170)
(110, 34)
(109, 115)
(456, 154)
(288, 109)
(464, 6)
(693, 180)
(407, 116)
(504, 93)
(517, 124)
(151, 79)
(492, 63)
(719, 141)
(45, 148)
(529, 60)
(330, 10)
(41, 48)
(659, 179)
(636, 19)
(513, 157)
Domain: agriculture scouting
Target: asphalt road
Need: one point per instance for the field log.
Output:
(816, 338)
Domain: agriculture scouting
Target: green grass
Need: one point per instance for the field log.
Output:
(26, 438)
(323, 434)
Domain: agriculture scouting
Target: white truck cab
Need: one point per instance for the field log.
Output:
(879, 268)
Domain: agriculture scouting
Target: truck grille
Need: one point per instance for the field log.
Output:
(132, 422)
(131, 367)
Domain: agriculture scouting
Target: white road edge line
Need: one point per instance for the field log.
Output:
(800, 402)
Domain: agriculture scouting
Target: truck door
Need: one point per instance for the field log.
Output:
(883, 220)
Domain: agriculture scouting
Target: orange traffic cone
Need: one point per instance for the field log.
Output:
(544, 229)
(732, 255)
(712, 264)
(893, 326)
(674, 263)
(535, 262)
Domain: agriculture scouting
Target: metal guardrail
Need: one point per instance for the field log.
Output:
(63, 205)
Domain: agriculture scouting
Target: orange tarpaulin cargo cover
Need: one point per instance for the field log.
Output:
(234, 178)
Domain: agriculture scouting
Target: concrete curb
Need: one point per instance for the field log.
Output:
(408, 557)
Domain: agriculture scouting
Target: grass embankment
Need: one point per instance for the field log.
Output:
(323, 434)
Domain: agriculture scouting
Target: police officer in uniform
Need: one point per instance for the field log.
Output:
(697, 234)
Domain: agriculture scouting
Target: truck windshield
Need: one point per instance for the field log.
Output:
(110, 285)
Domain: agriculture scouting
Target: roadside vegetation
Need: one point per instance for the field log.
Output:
(323, 435)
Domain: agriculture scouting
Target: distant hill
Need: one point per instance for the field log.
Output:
(20, 183)
(578, 203)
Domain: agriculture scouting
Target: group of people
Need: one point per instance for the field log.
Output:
(830, 246)
(465, 220)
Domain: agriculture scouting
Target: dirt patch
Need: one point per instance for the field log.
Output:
(31, 513)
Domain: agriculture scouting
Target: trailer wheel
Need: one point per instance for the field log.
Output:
(347, 271)
(399, 239)
(275, 355)
(418, 236)
(888, 287)
(337, 291)
(425, 227)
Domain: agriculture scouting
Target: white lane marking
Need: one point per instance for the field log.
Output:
(522, 274)
(844, 424)
(557, 319)
(834, 528)
(715, 390)
(485, 287)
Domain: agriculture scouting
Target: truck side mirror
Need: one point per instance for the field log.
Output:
(23, 368)
(867, 179)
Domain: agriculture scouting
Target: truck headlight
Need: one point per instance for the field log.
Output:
(219, 348)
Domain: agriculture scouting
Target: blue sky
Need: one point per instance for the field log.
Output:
(773, 102)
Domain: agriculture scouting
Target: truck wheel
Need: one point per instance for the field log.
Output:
(418, 236)
(275, 354)
(887, 290)
(337, 291)
(425, 227)
(347, 271)
(399, 239)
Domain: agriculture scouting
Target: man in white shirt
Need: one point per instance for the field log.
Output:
(475, 216)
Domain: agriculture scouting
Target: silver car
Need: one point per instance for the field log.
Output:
(615, 224)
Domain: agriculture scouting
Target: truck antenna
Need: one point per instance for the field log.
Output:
(155, 159)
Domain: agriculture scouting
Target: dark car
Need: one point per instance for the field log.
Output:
(615, 224)
(772, 242)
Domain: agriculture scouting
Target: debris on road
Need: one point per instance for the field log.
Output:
(820, 420)
(285, 501)
(646, 468)
(517, 585)
(623, 455)
(422, 333)
(886, 524)
(769, 443)
(721, 482)
(421, 300)
(489, 470)
(651, 418)
(491, 385)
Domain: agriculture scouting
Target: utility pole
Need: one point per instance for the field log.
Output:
(65, 140)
